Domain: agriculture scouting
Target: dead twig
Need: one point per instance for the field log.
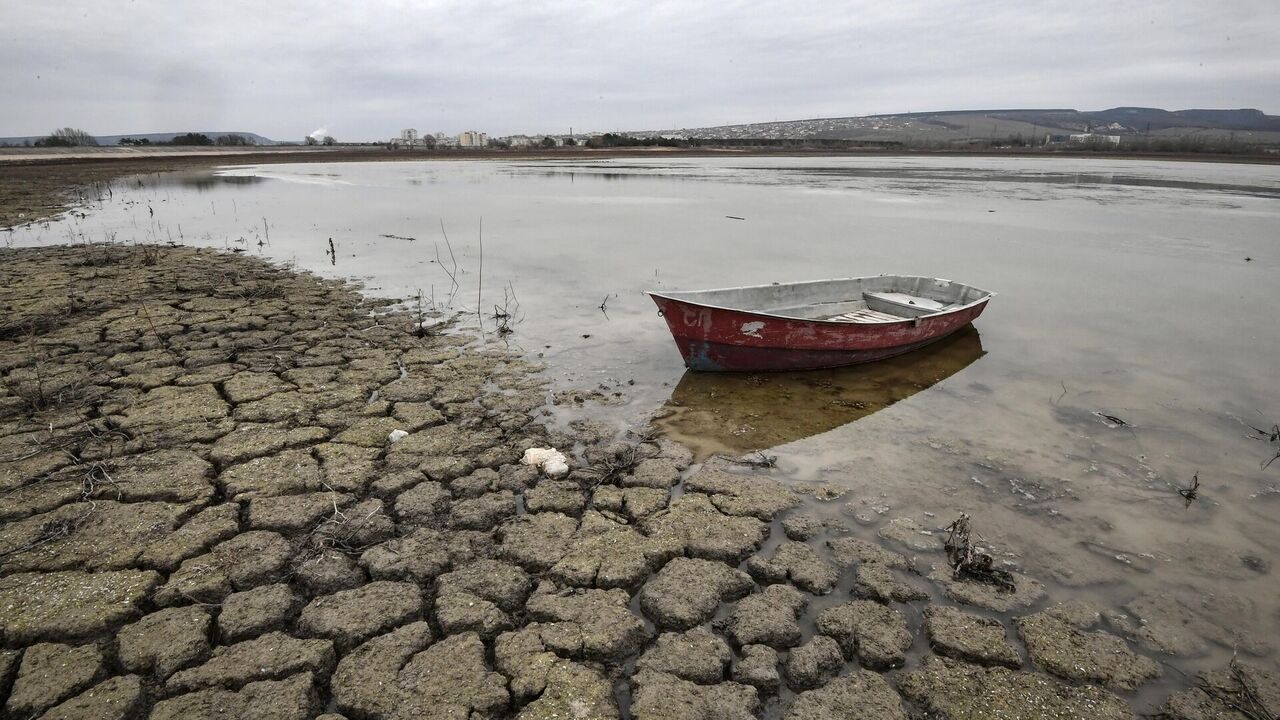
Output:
(1112, 420)
(1271, 436)
(759, 459)
(1241, 696)
(452, 271)
(969, 563)
(611, 469)
(1192, 491)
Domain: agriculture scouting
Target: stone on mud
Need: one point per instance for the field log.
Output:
(51, 673)
(1072, 653)
(243, 562)
(697, 655)
(957, 690)
(767, 618)
(441, 440)
(694, 524)
(687, 591)
(419, 556)
(758, 667)
(957, 634)
(860, 695)
(69, 605)
(798, 563)
(349, 617)
(658, 696)
(876, 634)
(293, 698)
(253, 612)
(164, 642)
(370, 432)
(272, 656)
(814, 663)
(117, 698)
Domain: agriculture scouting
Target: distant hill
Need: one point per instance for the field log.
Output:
(153, 137)
(963, 125)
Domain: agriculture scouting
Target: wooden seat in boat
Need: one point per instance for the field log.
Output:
(904, 300)
(864, 315)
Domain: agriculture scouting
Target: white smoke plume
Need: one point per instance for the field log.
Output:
(319, 133)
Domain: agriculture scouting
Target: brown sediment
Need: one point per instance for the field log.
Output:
(203, 508)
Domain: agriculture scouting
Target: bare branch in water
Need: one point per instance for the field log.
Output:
(1190, 492)
(969, 563)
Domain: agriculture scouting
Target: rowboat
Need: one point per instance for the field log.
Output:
(815, 324)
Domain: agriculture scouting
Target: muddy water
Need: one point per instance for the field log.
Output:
(1140, 290)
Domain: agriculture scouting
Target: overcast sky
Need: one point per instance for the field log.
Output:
(363, 71)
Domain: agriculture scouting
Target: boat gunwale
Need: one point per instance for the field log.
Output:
(989, 294)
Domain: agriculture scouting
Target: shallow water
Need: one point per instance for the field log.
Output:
(1123, 290)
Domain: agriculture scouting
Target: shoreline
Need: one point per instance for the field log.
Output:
(38, 185)
(207, 502)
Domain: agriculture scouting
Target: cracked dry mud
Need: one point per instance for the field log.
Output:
(203, 516)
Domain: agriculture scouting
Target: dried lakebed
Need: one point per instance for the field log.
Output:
(203, 516)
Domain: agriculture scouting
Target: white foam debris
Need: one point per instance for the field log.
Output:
(397, 436)
(551, 461)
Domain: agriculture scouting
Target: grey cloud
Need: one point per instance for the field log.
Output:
(367, 69)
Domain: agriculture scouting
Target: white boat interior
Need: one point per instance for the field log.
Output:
(884, 298)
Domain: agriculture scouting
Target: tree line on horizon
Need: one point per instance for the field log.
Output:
(75, 137)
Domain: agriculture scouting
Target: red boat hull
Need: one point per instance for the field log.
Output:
(715, 339)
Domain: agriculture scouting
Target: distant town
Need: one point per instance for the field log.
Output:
(1122, 129)
(410, 138)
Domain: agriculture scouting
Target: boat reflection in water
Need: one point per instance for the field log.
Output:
(735, 413)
